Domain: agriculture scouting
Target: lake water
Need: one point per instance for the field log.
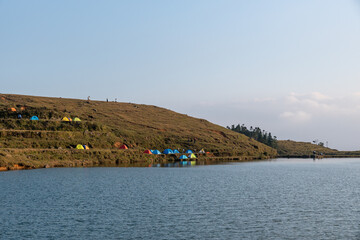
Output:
(278, 199)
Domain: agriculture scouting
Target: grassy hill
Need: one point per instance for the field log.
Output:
(288, 148)
(300, 149)
(105, 125)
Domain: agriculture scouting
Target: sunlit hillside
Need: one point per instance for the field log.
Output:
(105, 125)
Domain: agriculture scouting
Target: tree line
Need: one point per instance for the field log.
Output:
(256, 133)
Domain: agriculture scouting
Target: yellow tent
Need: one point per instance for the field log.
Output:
(77, 119)
(79, 146)
(191, 155)
(66, 119)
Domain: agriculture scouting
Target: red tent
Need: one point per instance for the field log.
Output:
(123, 147)
(148, 151)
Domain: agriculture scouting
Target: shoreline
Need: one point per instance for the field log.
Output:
(317, 157)
(25, 159)
(144, 161)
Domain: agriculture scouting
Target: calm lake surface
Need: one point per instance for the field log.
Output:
(278, 199)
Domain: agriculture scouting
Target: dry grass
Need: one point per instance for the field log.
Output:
(104, 123)
(301, 149)
(288, 148)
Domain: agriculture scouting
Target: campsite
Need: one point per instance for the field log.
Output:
(57, 132)
(177, 120)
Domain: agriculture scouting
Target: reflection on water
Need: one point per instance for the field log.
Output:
(276, 199)
(192, 163)
(177, 164)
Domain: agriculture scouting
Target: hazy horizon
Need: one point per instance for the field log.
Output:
(290, 68)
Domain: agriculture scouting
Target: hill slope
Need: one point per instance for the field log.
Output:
(288, 148)
(107, 123)
(300, 149)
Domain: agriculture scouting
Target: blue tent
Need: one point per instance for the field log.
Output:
(152, 151)
(176, 151)
(183, 157)
(34, 118)
(168, 151)
(189, 151)
(156, 152)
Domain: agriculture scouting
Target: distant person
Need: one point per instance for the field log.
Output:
(107, 100)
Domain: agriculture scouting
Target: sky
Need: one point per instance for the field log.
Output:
(289, 67)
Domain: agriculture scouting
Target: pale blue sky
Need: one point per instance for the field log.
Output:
(226, 61)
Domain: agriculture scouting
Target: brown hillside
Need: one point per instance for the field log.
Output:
(288, 148)
(301, 149)
(107, 123)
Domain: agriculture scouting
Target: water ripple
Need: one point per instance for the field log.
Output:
(258, 200)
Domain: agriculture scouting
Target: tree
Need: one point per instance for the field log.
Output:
(256, 133)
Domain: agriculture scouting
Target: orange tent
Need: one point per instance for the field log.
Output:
(12, 109)
(123, 147)
(148, 151)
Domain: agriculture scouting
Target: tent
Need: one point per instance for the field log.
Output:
(12, 109)
(66, 119)
(86, 147)
(183, 157)
(77, 119)
(176, 151)
(123, 147)
(156, 152)
(168, 151)
(189, 151)
(79, 146)
(192, 155)
(148, 151)
(202, 151)
(34, 118)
